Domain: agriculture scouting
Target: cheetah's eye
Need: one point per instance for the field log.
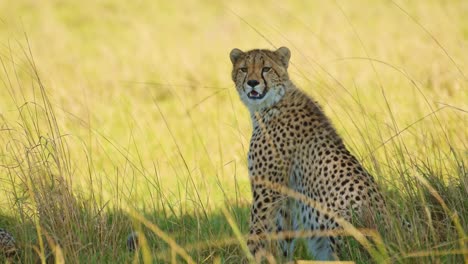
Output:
(266, 69)
(243, 69)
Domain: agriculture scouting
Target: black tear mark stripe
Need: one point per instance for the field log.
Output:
(246, 64)
(243, 82)
(263, 74)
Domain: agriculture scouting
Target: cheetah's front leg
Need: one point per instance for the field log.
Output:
(263, 214)
(285, 224)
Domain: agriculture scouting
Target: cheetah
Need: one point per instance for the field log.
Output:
(295, 145)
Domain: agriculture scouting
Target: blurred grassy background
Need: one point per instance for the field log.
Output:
(142, 94)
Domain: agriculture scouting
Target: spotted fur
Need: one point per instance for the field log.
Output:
(295, 145)
(7, 244)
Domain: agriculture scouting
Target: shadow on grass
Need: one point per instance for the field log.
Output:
(104, 239)
(88, 237)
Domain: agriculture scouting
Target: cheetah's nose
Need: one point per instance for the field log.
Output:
(252, 83)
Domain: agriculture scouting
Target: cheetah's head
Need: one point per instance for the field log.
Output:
(260, 76)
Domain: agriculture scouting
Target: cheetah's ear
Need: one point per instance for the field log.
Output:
(235, 55)
(284, 55)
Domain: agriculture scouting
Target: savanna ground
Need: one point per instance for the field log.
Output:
(120, 115)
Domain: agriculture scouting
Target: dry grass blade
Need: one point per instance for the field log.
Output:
(176, 249)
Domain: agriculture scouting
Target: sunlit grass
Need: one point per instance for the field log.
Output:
(123, 107)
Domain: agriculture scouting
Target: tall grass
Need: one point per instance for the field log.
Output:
(119, 117)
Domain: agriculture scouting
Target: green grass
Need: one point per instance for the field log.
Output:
(120, 110)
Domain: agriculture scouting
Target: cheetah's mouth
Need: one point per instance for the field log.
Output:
(254, 95)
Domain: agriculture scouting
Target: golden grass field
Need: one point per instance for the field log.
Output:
(115, 111)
